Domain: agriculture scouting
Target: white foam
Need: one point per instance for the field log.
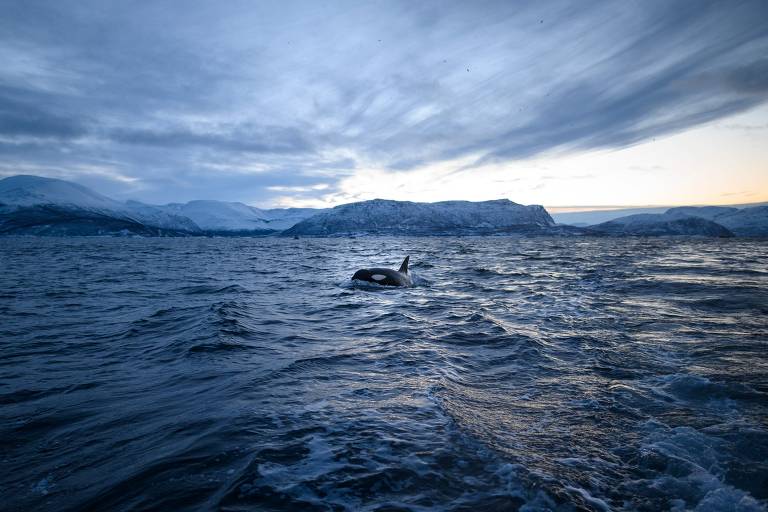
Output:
(728, 499)
(694, 471)
(595, 502)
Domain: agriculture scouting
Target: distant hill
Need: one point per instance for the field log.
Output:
(226, 216)
(591, 217)
(741, 221)
(691, 220)
(32, 205)
(443, 218)
(662, 224)
(46, 206)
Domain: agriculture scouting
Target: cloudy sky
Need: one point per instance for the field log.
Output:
(322, 102)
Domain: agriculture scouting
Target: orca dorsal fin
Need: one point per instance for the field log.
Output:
(404, 266)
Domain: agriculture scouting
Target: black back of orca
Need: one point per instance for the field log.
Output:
(385, 276)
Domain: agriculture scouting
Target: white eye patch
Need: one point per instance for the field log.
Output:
(378, 277)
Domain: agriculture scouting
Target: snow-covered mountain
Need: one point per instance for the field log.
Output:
(742, 222)
(284, 218)
(36, 205)
(662, 224)
(408, 218)
(45, 206)
(591, 217)
(704, 212)
(227, 216)
(692, 220)
(24, 191)
(747, 221)
(157, 216)
(219, 215)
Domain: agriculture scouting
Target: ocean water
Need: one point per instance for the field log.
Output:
(250, 374)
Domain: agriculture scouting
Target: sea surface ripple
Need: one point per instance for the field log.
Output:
(250, 374)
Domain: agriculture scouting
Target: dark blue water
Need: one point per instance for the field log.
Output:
(247, 374)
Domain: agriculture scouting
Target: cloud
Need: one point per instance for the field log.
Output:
(21, 117)
(230, 99)
(750, 78)
(239, 139)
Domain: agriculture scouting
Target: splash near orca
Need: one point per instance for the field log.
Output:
(385, 276)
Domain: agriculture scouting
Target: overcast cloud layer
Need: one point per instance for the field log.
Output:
(167, 101)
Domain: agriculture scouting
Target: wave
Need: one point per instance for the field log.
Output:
(211, 289)
(516, 375)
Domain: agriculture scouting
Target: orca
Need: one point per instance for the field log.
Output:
(385, 276)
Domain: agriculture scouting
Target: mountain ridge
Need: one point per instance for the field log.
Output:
(720, 221)
(383, 216)
(584, 218)
(34, 205)
(37, 205)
